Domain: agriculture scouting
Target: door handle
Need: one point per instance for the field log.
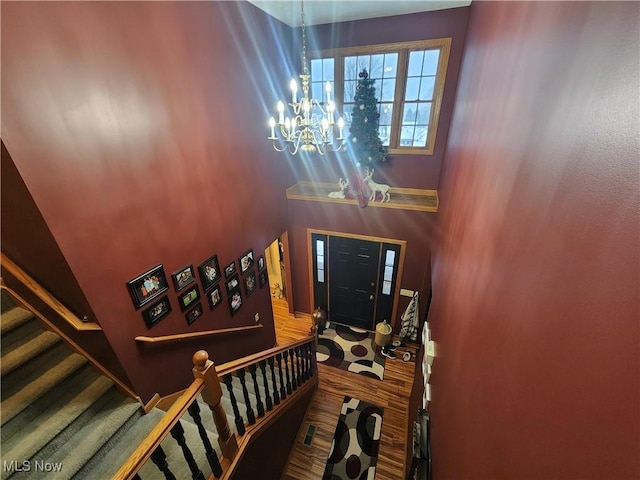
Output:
(370, 297)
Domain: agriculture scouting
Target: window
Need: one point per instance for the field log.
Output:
(387, 279)
(320, 260)
(409, 85)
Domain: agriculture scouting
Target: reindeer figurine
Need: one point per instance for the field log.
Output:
(376, 187)
(343, 186)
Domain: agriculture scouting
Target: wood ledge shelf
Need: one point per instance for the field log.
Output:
(188, 336)
(401, 198)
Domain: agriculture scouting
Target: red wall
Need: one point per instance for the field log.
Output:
(138, 130)
(536, 274)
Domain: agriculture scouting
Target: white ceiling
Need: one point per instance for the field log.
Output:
(317, 12)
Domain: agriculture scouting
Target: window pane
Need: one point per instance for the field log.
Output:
(424, 112)
(413, 87)
(426, 88)
(363, 62)
(327, 69)
(430, 66)
(384, 124)
(390, 65)
(320, 247)
(350, 68)
(409, 114)
(387, 90)
(316, 68)
(388, 273)
(377, 62)
(420, 136)
(390, 258)
(317, 91)
(320, 276)
(349, 91)
(406, 136)
(320, 262)
(415, 63)
(386, 288)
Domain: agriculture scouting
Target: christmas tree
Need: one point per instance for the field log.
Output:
(365, 140)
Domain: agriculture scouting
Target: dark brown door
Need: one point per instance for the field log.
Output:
(353, 279)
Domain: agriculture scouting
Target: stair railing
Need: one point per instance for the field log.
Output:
(257, 388)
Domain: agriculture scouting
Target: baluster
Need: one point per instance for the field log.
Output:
(285, 356)
(283, 394)
(305, 362)
(239, 421)
(177, 432)
(251, 417)
(204, 369)
(265, 384)
(160, 459)
(299, 364)
(294, 368)
(310, 354)
(259, 405)
(137, 477)
(212, 456)
(276, 396)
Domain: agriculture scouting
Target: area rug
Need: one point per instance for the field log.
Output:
(351, 349)
(354, 450)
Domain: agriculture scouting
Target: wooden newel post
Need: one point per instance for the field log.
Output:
(212, 395)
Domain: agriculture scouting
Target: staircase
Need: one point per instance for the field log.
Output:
(60, 418)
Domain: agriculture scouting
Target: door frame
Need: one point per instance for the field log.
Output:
(401, 243)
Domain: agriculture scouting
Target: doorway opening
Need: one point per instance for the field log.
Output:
(278, 271)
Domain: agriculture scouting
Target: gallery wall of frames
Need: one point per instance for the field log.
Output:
(151, 291)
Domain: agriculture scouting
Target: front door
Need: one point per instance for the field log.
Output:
(353, 279)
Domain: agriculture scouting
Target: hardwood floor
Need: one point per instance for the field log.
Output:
(308, 463)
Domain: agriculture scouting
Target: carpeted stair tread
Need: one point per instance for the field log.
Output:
(13, 318)
(27, 351)
(87, 442)
(36, 388)
(52, 422)
(118, 449)
(32, 370)
(6, 301)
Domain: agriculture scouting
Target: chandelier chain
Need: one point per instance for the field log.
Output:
(304, 42)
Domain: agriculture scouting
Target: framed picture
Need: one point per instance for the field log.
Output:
(250, 283)
(215, 297)
(261, 263)
(193, 314)
(188, 298)
(246, 261)
(183, 277)
(235, 301)
(262, 278)
(156, 312)
(232, 283)
(147, 286)
(230, 269)
(209, 272)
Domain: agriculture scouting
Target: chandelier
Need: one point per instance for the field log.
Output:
(311, 126)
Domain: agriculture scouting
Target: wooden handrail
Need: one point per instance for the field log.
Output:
(187, 336)
(234, 365)
(159, 432)
(64, 313)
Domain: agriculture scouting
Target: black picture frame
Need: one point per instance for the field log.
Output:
(151, 284)
(183, 277)
(261, 264)
(250, 283)
(214, 296)
(188, 298)
(230, 269)
(262, 278)
(209, 271)
(235, 301)
(232, 283)
(156, 311)
(193, 314)
(246, 261)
